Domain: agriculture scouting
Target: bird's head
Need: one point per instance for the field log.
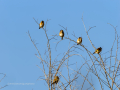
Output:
(100, 48)
(42, 21)
(61, 30)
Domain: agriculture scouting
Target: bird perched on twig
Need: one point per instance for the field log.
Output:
(41, 25)
(79, 40)
(56, 79)
(98, 50)
(61, 34)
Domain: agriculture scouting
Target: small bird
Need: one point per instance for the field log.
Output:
(41, 25)
(79, 40)
(56, 79)
(61, 34)
(98, 50)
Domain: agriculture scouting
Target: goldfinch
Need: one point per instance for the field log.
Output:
(98, 50)
(41, 25)
(61, 34)
(56, 79)
(79, 40)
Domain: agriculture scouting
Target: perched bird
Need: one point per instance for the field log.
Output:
(79, 40)
(56, 79)
(98, 50)
(41, 25)
(61, 34)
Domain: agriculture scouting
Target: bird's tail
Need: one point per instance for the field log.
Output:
(52, 83)
(61, 38)
(94, 53)
(39, 27)
(77, 44)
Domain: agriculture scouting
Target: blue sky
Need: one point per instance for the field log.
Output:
(17, 53)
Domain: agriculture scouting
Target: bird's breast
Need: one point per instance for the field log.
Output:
(60, 34)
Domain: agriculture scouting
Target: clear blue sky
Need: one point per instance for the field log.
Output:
(17, 53)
